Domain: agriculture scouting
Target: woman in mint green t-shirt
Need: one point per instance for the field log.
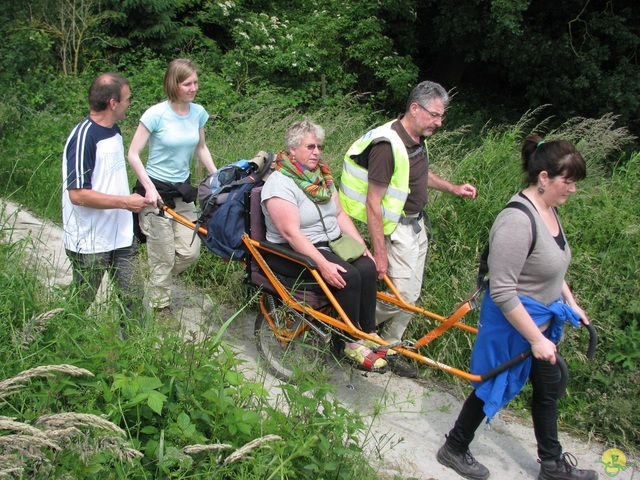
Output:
(175, 132)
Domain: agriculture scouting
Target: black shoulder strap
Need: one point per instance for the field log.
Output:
(534, 233)
(483, 268)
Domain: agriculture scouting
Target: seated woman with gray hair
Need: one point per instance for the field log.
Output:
(302, 209)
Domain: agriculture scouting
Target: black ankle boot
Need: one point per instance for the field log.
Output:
(564, 468)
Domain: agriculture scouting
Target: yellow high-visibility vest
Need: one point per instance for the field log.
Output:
(354, 180)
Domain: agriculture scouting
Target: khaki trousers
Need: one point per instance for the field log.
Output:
(171, 249)
(407, 253)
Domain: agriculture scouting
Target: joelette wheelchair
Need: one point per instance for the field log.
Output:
(298, 321)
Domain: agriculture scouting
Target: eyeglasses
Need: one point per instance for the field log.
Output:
(433, 114)
(312, 146)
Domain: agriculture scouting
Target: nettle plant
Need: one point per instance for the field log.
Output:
(180, 392)
(191, 407)
(163, 405)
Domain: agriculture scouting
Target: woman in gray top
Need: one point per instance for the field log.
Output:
(525, 308)
(302, 209)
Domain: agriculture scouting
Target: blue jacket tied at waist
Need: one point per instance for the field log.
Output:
(498, 341)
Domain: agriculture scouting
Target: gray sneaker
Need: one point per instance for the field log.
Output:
(564, 468)
(463, 463)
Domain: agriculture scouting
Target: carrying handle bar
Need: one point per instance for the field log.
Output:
(564, 370)
(593, 340)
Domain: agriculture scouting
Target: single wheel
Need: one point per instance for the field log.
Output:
(291, 348)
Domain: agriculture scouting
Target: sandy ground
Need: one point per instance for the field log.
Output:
(408, 418)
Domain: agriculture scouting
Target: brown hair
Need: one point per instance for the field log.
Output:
(557, 157)
(177, 72)
(105, 87)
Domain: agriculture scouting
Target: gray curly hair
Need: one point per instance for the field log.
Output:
(297, 130)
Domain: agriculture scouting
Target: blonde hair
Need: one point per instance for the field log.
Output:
(177, 72)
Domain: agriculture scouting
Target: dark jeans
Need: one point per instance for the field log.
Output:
(545, 380)
(120, 265)
(357, 298)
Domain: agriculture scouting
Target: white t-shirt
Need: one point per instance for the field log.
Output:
(93, 158)
(281, 186)
(173, 140)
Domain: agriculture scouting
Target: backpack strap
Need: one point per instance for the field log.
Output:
(483, 268)
(534, 234)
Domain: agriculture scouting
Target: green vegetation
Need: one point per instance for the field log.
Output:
(263, 64)
(155, 406)
(502, 57)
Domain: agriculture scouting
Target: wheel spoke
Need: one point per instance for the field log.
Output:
(291, 349)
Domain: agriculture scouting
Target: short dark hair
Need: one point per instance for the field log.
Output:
(557, 157)
(105, 87)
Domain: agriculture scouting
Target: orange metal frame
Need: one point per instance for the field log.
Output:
(342, 322)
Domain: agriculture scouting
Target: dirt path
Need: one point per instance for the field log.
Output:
(408, 418)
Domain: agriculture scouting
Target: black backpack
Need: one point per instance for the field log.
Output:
(222, 201)
(483, 268)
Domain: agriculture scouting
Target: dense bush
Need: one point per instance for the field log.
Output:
(159, 405)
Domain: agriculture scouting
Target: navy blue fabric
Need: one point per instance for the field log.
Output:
(224, 211)
(227, 224)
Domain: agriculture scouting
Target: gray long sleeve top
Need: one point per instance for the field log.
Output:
(541, 275)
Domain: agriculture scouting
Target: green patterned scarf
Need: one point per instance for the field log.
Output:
(317, 184)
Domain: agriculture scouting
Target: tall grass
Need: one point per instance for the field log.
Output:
(158, 405)
(601, 222)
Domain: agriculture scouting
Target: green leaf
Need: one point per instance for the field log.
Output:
(330, 466)
(211, 395)
(156, 400)
(107, 394)
(149, 383)
(183, 421)
(150, 448)
(129, 390)
(137, 399)
(119, 382)
(233, 378)
(244, 428)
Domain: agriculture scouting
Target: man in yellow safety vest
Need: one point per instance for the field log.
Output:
(384, 183)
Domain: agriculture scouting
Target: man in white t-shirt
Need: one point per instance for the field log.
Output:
(97, 204)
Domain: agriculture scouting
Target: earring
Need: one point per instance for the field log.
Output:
(540, 191)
